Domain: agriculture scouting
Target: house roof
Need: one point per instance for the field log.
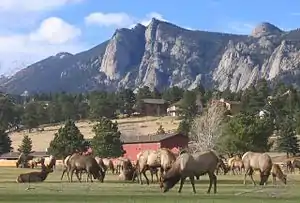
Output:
(10, 155)
(154, 101)
(15, 155)
(147, 138)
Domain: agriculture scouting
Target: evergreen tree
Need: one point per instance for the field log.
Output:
(30, 117)
(5, 142)
(246, 132)
(126, 101)
(107, 142)
(173, 94)
(7, 112)
(26, 145)
(67, 140)
(188, 107)
(102, 104)
(288, 141)
(184, 126)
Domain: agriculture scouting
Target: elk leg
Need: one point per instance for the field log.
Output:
(68, 174)
(245, 176)
(63, 173)
(79, 175)
(72, 172)
(151, 173)
(140, 177)
(181, 184)
(232, 170)
(147, 180)
(134, 175)
(156, 174)
(215, 183)
(251, 176)
(274, 179)
(161, 172)
(192, 179)
(210, 175)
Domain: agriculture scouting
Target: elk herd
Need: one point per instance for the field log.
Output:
(168, 167)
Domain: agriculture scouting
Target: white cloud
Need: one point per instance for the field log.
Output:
(52, 36)
(55, 31)
(24, 39)
(32, 5)
(151, 15)
(109, 19)
(119, 20)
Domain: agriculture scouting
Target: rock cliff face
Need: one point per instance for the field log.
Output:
(163, 55)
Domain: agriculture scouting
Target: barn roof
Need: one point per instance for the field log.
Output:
(147, 138)
(154, 101)
(15, 155)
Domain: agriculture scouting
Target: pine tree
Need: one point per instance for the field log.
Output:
(5, 142)
(184, 126)
(26, 145)
(107, 142)
(67, 140)
(288, 141)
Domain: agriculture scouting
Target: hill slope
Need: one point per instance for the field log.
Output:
(162, 55)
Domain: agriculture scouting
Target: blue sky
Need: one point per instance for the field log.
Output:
(34, 29)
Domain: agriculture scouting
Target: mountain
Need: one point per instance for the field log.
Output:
(163, 55)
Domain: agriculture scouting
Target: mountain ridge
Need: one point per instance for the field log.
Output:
(161, 55)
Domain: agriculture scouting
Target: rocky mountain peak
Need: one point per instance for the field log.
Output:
(163, 55)
(265, 28)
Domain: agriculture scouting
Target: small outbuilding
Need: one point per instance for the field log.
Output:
(154, 107)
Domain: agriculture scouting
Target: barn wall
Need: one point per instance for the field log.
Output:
(133, 149)
(175, 142)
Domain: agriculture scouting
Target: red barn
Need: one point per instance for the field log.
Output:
(134, 144)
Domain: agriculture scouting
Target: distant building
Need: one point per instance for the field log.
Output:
(15, 155)
(154, 107)
(174, 109)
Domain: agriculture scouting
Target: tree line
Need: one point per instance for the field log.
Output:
(269, 120)
(244, 131)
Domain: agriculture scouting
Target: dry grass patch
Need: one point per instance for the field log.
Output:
(127, 126)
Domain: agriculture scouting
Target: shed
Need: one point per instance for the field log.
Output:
(135, 144)
(154, 107)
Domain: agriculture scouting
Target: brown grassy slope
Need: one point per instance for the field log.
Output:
(127, 126)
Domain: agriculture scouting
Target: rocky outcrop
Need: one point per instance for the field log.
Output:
(163, 55)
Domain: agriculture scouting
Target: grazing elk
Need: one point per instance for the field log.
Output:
(296, 164)
(257, 161)
(162, 158)
(88, 163)
(191, 165)
(35, 161)
(277, 172)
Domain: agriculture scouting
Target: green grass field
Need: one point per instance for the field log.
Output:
(230, 190)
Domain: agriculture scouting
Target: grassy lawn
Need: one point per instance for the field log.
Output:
(230, 189)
